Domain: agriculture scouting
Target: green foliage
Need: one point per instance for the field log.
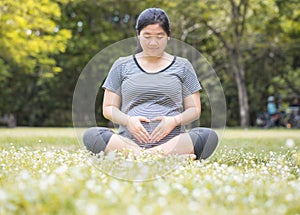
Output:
(44, 46)
(29, 37)
(29, 33)
(266, 42)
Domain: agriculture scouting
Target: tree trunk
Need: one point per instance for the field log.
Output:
(239, 75)
(232, 44)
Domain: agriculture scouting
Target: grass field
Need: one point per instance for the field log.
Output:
(47, 171)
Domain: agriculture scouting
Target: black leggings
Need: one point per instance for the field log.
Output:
(205, 140)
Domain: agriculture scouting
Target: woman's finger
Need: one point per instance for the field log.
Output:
(142, 135)
(144, 119)
(158, 118)
(157, 134)
(142, 138)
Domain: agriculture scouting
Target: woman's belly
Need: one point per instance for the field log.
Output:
(150, 128)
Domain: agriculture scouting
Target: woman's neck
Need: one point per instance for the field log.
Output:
(153, 64)
(150, 58)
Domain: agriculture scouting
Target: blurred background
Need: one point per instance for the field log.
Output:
(252, 45)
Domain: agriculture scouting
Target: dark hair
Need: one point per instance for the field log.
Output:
(152, 16)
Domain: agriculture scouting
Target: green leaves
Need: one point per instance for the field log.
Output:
(49, 43)
(29, 38)
(28, 32)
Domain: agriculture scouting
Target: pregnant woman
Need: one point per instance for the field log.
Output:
(152, 95)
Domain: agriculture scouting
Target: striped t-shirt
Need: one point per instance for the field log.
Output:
(152, 94)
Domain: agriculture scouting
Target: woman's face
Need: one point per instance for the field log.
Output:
(153, 40)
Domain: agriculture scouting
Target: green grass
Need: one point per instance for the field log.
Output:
(47, 171)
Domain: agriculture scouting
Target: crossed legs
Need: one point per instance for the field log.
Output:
(200, 142)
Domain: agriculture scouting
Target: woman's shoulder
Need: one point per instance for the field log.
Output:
(124, 60)
(184, 63)
(182, 60)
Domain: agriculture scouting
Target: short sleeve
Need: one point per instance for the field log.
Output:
(191, 83)
(113, 80)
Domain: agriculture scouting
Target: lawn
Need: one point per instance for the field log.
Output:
(47, 171)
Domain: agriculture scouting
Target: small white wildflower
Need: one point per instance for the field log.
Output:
(194, 206)
(289, 197)
(282, 209)
(177, 186)
(50, 155)
(254, 211)
(92, 209)
(132, 209)
(115, 186)
(167, 213)
(251, 198)
(61, 170)
(269, 203)
(3, 196)
(22, 186)
(24, 175)
(108, 194)
(227, 189)
(164, 190)
(196, 193)
(230, 198)
(162, 201)
(185, 191)
(290, 143)
(90, 184)
(148, 209)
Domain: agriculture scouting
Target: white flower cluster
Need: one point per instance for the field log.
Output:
(59, 181)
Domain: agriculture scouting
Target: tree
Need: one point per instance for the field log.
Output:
(226, 21)
(230, 30)
(29, 37)
(44, 46)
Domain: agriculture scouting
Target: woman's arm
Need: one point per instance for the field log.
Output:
(111, 111)
(111, 108)
(192, 110)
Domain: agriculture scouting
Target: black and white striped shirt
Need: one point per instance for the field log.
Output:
(152, 94)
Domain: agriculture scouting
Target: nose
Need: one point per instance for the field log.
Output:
(153, 41)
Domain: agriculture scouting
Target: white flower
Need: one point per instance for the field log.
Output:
(132, 209)
(24, 175)
(289, 197)
(162, 201)
(194, 206)
(290, 143)
(196, 193)
(230, 198)
(90, 184)
(3, 196)
(92, 209)
(61, 170)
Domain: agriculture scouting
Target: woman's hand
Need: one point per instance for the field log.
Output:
(136, 128)
(166, 125)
